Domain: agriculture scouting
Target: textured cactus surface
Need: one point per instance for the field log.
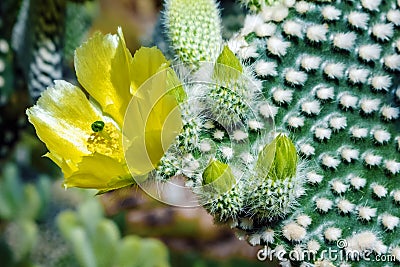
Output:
(330, 74)
(202, 24)
(334, 80)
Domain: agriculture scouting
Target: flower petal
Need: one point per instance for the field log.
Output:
(62, 118)
(152, 122)
(146, 62)
(99, 172)
(102, 68)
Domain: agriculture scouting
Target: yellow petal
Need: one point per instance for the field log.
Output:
(152, 122)
(146, 62)
(62, 118)
(102, 67)
(99, 172)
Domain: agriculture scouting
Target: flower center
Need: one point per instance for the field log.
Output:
(106, 140)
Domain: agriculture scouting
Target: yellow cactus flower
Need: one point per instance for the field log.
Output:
(86, 136)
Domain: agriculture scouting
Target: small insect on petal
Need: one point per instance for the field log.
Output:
(97, 126)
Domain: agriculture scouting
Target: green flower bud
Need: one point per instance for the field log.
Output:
(218, 177)
(221, 195)
(278, 160)
(228, 66)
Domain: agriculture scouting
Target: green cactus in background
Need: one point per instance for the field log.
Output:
(21, 205)
(201, 22)
(96, 241)
(330, 73)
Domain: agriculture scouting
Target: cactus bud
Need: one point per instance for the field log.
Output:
(218, 177)
(223, 197)
(278, 160)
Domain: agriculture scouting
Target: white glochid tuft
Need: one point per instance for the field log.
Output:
(334, 70)
(310, 62)
(344, 41)
(323, 204)
(311, 107)
(331, 13)
(348, 101)
(358, 19)
(293, 28)
(357, 75)
(317, 33)
(314, 178)
(264, 68)
(357, 182)
(370, 52)
(383, 32)
(372, 159)
(295, 77)
(277, 46)
(381, 83)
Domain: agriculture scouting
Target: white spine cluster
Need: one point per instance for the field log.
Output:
(347, 101)
(322, 133)
(358, 132)
(338, 187)
(379, 190)
(382, 83)
(307, 149)
(369, 52)
(314, 178)
(332, 233)
(282, 96)
(317, 33)
(310, 62)
(381, 136)
(345, 206)
(392, 62)
(366, 213)
(311, 107)
(329, 161)
(358, 75)
(303, 7)
(344, 41)
(331, 13)
(268, 110)
(338, 123)
(383, 32)
(371, 5)
(393, 16)
(264, 68)
(293, 28)
(277, 46)
(349, 154)
(295, 77)
(325, 93)
(369, 105)
(392, 166)
(334, 70)
(304, 220)
(324, 204)
(265, 29)
(357, 182)
(372, 159)
(358, 19)
(389, 221)
(294, 232)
